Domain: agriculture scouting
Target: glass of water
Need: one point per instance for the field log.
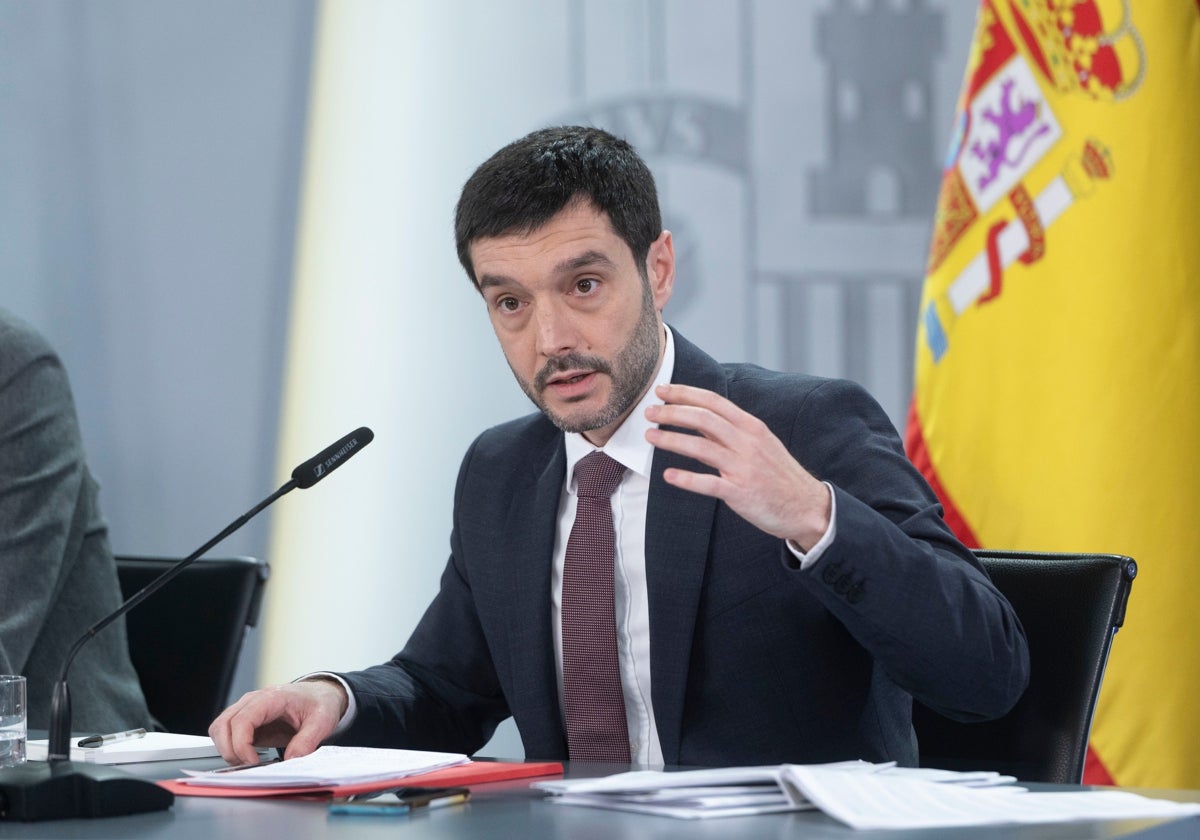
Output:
(12, 720)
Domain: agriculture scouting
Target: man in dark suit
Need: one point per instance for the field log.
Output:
(782, 584)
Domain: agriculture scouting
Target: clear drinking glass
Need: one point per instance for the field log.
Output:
(12, 720)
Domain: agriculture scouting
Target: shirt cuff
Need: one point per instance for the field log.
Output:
(810, 557)
(351, 705)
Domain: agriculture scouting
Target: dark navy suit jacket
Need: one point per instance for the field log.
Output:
(753, 660)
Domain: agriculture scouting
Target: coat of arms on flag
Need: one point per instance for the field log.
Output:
(1056, 404)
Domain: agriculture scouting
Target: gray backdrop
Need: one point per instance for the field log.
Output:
(150, 165)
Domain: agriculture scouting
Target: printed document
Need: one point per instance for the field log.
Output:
(859, 794)
(329, 766)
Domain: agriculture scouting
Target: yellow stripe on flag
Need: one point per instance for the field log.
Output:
(1057, 399)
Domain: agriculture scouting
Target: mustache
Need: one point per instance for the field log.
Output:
(571, 361)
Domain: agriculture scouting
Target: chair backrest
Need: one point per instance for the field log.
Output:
(186, 638)
(1071, 606)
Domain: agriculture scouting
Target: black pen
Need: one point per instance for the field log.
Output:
(105, 740)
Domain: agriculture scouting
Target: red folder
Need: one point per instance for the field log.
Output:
(471, 773)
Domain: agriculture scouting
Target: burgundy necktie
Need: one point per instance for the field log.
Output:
(596, 726)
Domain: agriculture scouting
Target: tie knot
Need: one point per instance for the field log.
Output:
(597, 475)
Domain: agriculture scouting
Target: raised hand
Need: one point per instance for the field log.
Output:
(756, 475)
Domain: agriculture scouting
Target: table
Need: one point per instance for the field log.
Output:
(508, 810)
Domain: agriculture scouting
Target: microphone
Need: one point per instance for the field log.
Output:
(330, 458)
(60, 789)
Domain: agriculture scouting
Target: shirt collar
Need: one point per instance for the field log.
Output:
(628, 445)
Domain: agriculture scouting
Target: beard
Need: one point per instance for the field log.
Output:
(630, 373)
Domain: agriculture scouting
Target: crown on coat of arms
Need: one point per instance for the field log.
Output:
(1071, 46)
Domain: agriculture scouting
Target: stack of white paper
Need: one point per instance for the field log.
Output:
(896, 800)
(329, 766)
(154, 746)
(692, 794)
(697, 794)
(860, 794)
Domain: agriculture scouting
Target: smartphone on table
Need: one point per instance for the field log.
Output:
(399, 800)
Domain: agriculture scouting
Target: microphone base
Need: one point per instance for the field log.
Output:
(63, 790)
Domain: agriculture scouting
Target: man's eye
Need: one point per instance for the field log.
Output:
(508, 304)
(585, 285)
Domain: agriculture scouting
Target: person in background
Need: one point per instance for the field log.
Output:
(674, 561)
(57, 573)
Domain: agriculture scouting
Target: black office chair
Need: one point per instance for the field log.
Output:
(185, 639)
(1071, 606)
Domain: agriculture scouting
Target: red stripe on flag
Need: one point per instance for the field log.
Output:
(918, 453)
(995, 268)
(1094, 771)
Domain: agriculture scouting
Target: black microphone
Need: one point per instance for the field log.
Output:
(59, 789)
(330, 458)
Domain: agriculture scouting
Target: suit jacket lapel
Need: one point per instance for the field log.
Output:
(678, 528)
(529, 545)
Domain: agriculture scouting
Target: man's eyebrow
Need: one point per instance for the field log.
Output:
(488, 280)
(584, 260)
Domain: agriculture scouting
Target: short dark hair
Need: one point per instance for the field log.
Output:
(525, 184)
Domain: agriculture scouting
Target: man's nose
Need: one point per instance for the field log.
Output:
(556, 333)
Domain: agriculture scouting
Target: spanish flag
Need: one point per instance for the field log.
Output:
(1057, 393)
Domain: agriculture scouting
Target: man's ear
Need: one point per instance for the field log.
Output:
(660, 269)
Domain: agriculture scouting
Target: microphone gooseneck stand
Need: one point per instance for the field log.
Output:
(58, 788)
